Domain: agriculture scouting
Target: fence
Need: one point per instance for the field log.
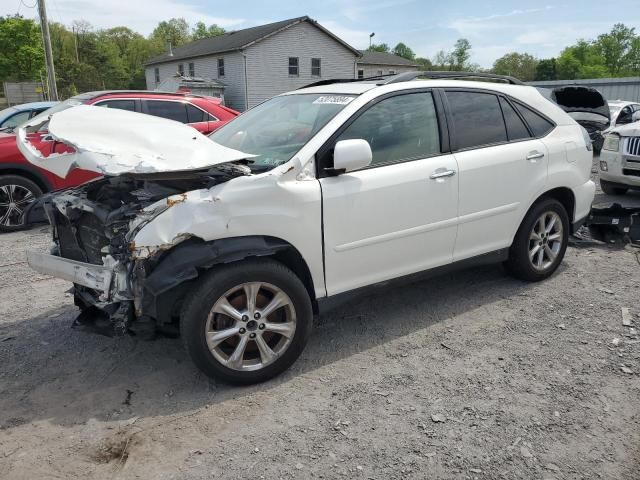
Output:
(23, 92)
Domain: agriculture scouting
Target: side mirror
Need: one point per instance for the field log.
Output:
(349, 155)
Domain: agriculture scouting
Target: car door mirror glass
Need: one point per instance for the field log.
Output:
(350, 155)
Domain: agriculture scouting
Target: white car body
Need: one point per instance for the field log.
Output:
(353, 229)
(620, 157)
(620, 109)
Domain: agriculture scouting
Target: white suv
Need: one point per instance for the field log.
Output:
(311, 195)
(620, 158)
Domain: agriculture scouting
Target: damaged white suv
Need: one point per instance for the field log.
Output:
(308, 196)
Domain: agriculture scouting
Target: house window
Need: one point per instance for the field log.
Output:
(192, 69)
(392, 72)
(293, 66)
(156, 74)
(181, 69)
(360, 73)
(380, 72)
(315, 67)
(221, 67)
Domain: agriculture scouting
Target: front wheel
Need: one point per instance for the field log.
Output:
(16, 193)
(540, 243)
(247, 322)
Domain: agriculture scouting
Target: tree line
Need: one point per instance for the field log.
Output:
(91, 59)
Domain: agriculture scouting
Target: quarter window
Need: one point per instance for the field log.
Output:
(402, 127)
(194, 114)
(516, 129)
(192, 69)
(293, 66)
(315, 67)
(538, 125)
(221, 67)
(477, 119)
(166, 109)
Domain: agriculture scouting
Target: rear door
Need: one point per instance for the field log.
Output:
(502, 168)
(397, 216)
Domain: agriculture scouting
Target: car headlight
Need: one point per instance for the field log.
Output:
(603, 166)
(611, 143)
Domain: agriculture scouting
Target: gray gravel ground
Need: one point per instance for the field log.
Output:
(471, 375)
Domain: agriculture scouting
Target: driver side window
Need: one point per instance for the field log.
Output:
(403, 127)
(625, 116)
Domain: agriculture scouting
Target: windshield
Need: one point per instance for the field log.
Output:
(7, 112)
(276, 129)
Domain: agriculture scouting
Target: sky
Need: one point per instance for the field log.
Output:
(541, 28)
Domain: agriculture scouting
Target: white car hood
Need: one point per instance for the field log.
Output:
(112, 142)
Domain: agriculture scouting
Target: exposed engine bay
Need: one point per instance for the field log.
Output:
(95, 224)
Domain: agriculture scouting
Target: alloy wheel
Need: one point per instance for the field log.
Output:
(14, 199)
(545, 240)
(250, 326)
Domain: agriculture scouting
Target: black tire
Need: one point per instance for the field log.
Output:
(519, 263)
(611, 188)
(217, 283)
(14, 222)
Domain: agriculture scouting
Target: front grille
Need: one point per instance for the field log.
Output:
(631, 173)
(633, 146)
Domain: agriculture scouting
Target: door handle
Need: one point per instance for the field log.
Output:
(442, 174)
(535, 156)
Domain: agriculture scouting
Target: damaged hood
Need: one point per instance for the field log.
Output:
(113, 142)
(628, 130)
(583, 103)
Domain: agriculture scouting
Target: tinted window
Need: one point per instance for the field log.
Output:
(194, 114)
(398, 128)
(516, 129)
(538, 125)
(129, 105)
(171, 110)
(477, 119)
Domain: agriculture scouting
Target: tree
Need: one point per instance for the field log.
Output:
(568, 66)
(202, 31)
(616, 48)
(546, 70)
(381, 47)
(425, 63)
(174, 31)
(21, 53)
(461, 54)
(403, 51)
(520, 65)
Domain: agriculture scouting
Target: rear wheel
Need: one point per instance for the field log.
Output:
(16, 193)
(541, 242)
(247, 322)
(611, 188)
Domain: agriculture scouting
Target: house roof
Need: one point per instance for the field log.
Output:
(384, 58)
(238, 40)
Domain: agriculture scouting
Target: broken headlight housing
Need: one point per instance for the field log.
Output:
(611, 143)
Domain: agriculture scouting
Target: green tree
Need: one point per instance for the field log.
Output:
(520, 65)
(403, 51)
(616, 48)
(424, 63)
(202, 31)
(380, 47)
(546, 70)
(461, 54)
(21, 53)
(568, 66)
(174, 31)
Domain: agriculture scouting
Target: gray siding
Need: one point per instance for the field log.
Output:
(627, 88)
(373, 70)
(268, 61)
(207, 68)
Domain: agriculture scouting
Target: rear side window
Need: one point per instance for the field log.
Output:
(539, 125)
(129, 105)
(477, 119)
(402, 127)
(516, 129)
(194, 114)
(171, 110)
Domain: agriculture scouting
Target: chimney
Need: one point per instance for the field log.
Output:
(170, 52)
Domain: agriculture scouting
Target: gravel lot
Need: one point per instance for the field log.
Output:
(469, 375)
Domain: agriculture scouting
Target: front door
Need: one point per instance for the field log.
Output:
(399, 215)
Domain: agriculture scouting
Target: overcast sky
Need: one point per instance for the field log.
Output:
(493, 27)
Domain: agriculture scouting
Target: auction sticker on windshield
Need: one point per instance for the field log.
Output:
(333, 100)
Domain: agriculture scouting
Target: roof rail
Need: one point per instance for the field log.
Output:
(330, 81)
(408, 76)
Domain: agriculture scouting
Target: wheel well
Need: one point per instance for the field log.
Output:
(565, 197)
(28, 175)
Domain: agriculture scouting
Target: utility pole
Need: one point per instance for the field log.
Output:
(48, 54)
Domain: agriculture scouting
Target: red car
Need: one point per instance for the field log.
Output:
(21, 182)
